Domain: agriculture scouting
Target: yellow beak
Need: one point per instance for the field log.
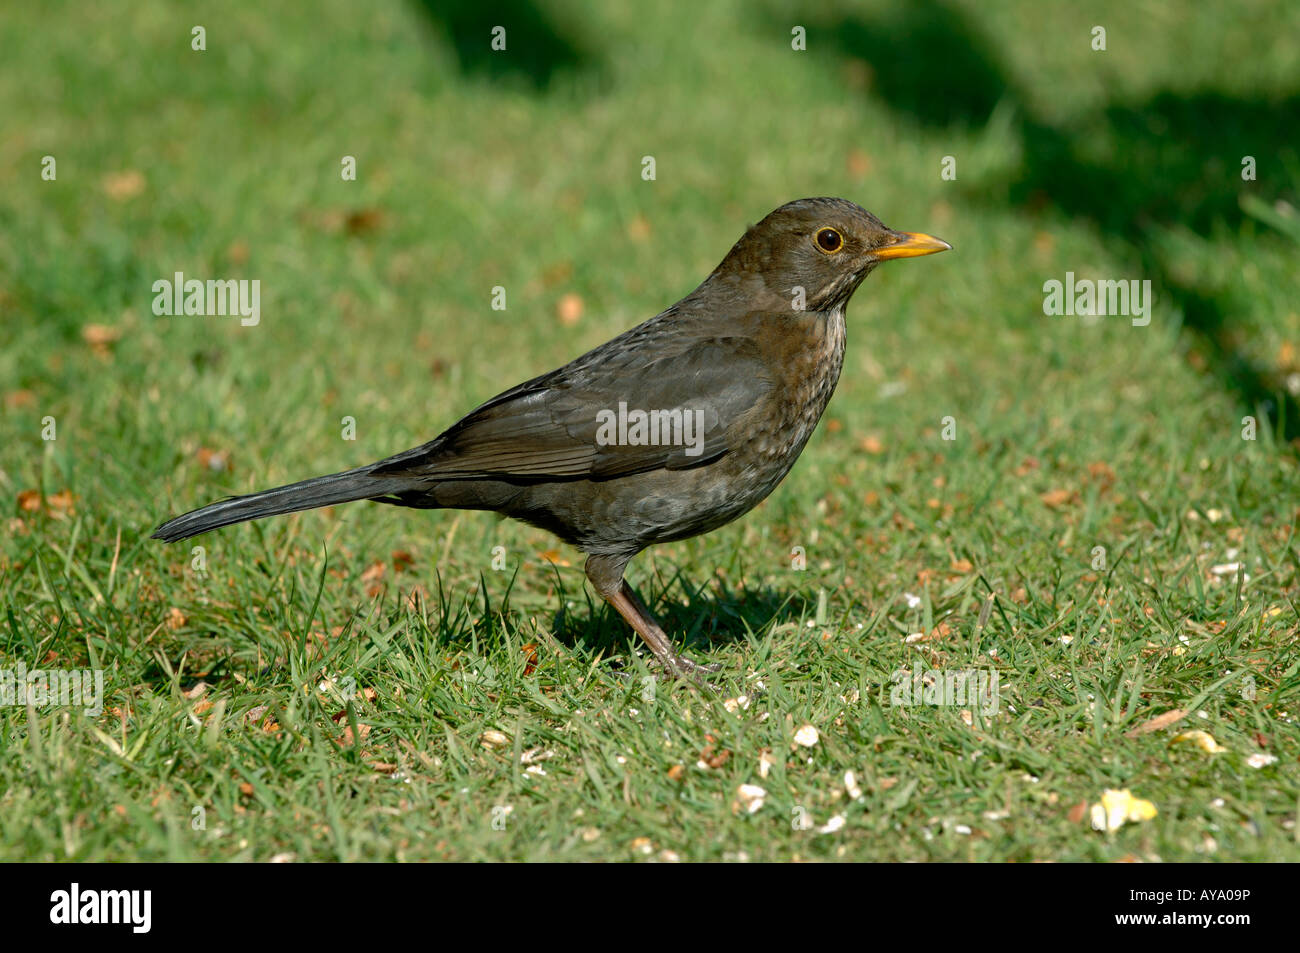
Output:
(911, 244)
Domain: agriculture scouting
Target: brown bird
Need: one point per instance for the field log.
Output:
(670, 430)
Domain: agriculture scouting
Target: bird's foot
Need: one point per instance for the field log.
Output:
(676, 667)
(688, 667)
(680, 667)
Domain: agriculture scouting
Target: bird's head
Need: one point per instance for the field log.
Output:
(824, 246)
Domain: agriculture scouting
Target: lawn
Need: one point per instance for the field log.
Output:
(1100, 513)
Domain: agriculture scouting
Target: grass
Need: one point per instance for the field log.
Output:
(370, 683)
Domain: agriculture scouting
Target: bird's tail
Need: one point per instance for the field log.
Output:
(360, 484)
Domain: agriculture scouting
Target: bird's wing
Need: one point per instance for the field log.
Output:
(581, 422)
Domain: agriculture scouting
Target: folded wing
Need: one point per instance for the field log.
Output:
(581, 421)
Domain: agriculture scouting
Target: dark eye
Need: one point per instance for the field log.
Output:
(829, 241)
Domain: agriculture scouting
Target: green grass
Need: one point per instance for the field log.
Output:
(225, 690)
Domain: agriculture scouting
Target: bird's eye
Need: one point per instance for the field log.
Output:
(829, 240)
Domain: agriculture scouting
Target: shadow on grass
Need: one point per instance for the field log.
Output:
(537, 50)
(1131, 170)
(695, 618)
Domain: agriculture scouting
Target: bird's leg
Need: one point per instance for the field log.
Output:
(606, 574)
(650, 631)
(675, 662)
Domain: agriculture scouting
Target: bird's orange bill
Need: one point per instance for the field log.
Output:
(911, 244)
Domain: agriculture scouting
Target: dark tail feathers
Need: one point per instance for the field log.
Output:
(360, 484)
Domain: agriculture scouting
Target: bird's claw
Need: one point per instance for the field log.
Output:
(688, 667)
(694, 672)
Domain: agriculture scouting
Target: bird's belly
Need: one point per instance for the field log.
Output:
(666, 505)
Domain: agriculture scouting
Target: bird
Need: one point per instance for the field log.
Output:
(671, 429)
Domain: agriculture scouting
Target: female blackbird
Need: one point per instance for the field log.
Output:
(671, 429)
